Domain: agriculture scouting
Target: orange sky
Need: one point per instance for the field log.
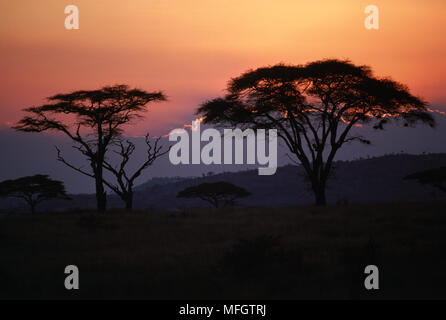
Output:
(190, 48)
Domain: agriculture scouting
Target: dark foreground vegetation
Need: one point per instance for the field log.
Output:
(277, 253)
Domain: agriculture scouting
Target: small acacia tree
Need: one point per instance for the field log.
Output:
(125, 181)
(434, 177)
(218, 194)
(97, 120)
(314, 108)
(33, 189)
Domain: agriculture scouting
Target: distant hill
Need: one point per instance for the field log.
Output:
(373, 180)
(159, 181)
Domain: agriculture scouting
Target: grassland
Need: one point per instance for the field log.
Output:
(252, 253)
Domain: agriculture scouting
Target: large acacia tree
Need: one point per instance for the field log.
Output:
(93, 120)
(314, 108)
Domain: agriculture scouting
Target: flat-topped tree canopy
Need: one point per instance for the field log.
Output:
(109, 107)
(336, 89)
(33, 189)
(218, 193)
(434, 177)
(314, 107)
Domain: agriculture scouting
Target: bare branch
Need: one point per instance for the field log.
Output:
(61, 159)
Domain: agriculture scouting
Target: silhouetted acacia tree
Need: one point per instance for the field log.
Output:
(33, 189)
(100, 114)
(125, 181)
(314, 107)
(434, 177)
(218, 193)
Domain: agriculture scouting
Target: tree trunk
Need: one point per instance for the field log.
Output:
(129, 202)
(101, 196)
(320, 197)
(215, 202)
(33, 207)
(319, 193)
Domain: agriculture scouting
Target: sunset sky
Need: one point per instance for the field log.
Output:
(190, 48)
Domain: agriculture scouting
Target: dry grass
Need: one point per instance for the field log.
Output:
(276, 253)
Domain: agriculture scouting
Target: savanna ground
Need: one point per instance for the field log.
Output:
(252, 253)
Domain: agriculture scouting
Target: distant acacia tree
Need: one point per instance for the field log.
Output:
(125, 181)
(314, 108)
(434, 177)
(219, 194)
(99, 114)
(33, 189)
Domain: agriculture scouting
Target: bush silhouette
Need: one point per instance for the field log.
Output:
(218, 194)
(433, 177)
